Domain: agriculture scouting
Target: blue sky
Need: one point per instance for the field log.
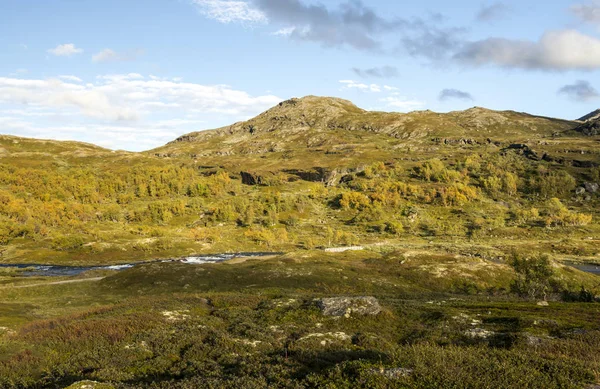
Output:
(135, 74)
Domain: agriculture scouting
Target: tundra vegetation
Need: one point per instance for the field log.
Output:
(465, 221)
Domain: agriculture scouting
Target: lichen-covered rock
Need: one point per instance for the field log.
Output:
(348, 306)
(393, 373)
(592, 187)
(90, 385)
(479, 333)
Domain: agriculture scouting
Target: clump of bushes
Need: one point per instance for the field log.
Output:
(67, 242)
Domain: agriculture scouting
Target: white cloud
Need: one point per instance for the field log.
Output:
(66, 108)
(285, 31)
(105, 55)
(589, 13)
(66, 50)
(70, 78)
(109, 55)
(402, 103)
(227, 11)
(556, 50)
(351, 84)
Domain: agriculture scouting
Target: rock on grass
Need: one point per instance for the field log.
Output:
(348, 306)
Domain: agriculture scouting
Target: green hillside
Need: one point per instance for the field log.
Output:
(309, 173)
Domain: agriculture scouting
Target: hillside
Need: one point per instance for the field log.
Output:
(331, 132)
(311, 172)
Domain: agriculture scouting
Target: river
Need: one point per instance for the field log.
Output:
(36, 270)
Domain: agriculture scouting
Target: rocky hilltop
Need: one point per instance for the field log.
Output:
(325, 122)
(316, 136)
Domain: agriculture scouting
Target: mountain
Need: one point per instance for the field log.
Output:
(331, 132)
(590, 116)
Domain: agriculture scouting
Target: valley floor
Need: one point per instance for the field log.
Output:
(301, 320)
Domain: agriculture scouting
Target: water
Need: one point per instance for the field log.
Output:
(35, 270)
(588, 268)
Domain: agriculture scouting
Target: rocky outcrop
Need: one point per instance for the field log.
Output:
(459, 141)
(589, 128)
(584, 164)
(330, 177)
(250, 178)
(523, 150)
(348, 306)
(592, 187)
(264, 178)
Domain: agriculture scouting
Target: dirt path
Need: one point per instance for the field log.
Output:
(54, 283)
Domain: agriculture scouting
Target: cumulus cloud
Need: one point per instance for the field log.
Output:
(450, 94)
(556, 50)
(66, 50)
(227, 11)
(589, 13)
(379, 72)
(109, 55)
(122, 103)
(351, 84)
(493, 12)
(402, 103)
(580, 91)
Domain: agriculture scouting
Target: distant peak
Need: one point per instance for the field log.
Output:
(590, 116)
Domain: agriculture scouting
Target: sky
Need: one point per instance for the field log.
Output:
(133, 74)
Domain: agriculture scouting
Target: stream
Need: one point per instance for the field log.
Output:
(586, 267)
(37, 270)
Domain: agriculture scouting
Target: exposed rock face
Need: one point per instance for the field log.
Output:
(347, 306)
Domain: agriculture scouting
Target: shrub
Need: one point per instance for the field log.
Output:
(394, 227)
(354, 200)
(67, 242)
(533, 276)
(557, 214)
